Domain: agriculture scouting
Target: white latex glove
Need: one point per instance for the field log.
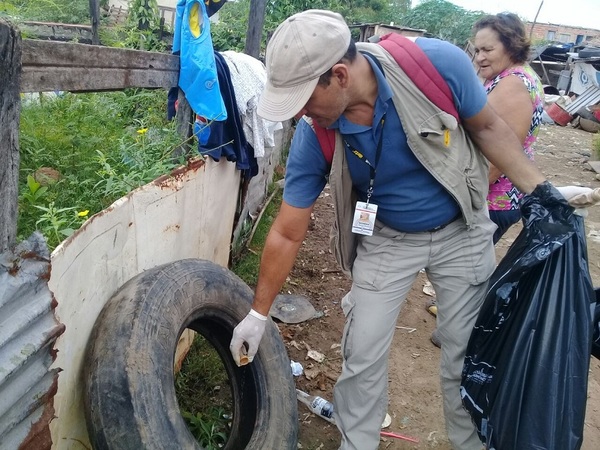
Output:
(249, 330)
(580, 197)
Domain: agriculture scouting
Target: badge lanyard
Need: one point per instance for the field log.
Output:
(372, 168)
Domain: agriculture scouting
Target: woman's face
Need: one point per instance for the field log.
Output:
(490, 55)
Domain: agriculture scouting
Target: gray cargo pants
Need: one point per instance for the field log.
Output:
(458, 264)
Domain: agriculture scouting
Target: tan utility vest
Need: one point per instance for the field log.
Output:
(438, 141)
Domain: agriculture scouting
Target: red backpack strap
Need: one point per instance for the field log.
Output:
(326, 138)
(421, 71)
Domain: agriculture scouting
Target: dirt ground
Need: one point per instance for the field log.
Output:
(414, 392)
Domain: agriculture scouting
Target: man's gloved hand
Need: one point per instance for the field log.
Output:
(249, 330)
(580, 197)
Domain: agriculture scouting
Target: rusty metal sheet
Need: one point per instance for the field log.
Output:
(28, 330)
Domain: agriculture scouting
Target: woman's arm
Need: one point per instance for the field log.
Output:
(512, 103)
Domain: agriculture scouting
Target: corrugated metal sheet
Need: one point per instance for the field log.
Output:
(590, 96)
(28, 330)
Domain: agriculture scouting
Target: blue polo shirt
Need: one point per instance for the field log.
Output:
(409, 198)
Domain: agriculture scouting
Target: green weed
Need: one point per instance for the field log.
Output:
(100, 145)
(208, 428)
(57, 223)
(34, 192)
(204, 395)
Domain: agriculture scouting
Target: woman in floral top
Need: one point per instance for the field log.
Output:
(515, 92)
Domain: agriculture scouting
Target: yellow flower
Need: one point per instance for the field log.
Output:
(83, 213)
(142, 130)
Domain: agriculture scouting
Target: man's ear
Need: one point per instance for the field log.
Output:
(339, 72)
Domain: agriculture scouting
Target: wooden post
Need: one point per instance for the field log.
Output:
(546, 77)
(185, 122)
(95, 15)
(535, 20)
(10, 108)
(256, 20)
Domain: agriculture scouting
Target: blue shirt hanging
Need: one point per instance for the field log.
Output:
(197, 71)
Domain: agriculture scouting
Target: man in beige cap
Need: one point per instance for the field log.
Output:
(418, 180)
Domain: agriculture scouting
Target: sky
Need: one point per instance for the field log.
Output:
(578, 13)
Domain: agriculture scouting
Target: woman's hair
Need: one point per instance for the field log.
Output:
(511, 32)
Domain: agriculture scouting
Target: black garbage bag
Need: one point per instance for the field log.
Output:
(596, 342)
(525, 375)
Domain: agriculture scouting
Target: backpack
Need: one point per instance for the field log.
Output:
(420, 70)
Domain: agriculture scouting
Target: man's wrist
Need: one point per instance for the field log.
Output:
(256, 314)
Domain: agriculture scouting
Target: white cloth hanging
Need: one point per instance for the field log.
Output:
(248, 77)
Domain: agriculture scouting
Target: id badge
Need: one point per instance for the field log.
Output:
(364, 218)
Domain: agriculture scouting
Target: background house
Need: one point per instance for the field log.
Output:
(166, 8)
(561, 33)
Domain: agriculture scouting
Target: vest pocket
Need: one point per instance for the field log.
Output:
(437, 129)
(475, 193)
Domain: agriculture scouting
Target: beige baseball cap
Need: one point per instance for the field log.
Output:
(303, 47)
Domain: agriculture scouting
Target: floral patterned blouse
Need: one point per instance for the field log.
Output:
(502, 194)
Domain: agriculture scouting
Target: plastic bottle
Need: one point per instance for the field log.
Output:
(317, 405)
(324, 408)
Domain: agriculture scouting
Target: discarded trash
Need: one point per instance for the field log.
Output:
(428, 289)
(315, 355)
(387, 421)
(408, 329)
(297, 368)
(398, 436)
(431, 307)
(317, 405)
(324, 409)
(292, 309)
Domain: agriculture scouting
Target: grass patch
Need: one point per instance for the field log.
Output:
(204, 395)
(81, 152)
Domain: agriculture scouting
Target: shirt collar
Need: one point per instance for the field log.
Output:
(384, 94)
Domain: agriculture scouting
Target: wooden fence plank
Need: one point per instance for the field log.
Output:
(69, 54)
(10, 107)
(49, 66)
(82, 79)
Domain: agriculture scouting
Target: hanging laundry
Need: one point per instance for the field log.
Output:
(226, 138)
(197, 73)
(212, 6)
(248, 77)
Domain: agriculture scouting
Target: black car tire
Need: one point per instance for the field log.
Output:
(129, 392)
